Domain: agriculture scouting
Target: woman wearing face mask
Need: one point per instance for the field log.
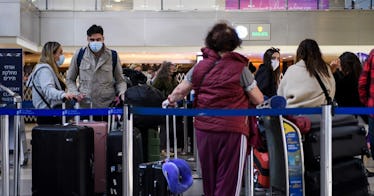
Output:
(48, 87)
(268, 74)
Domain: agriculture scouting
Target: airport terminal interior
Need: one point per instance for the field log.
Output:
(146, 33)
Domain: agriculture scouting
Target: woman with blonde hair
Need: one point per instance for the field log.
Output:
(48, 86)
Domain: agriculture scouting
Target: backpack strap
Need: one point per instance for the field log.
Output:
(80, 56)
(114, 60)
(81, 53)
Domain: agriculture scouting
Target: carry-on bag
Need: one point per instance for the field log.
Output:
(143, 95)
(169, 177)
(100, 129)
(261, 164)
(348, 140)
(348, 178)
(62, 160)
(114, 161)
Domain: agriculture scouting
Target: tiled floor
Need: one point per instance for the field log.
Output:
(195, 190)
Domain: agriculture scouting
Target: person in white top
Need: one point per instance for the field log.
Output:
(299, 85)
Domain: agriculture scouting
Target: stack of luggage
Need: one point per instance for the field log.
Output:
(349, 176)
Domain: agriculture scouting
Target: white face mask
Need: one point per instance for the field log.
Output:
(61, 60)
(274, 64)
(96, 46)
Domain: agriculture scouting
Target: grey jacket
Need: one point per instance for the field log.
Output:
(45, 80)
(96, 78)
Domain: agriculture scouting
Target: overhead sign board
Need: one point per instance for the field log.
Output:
(259, 32)
(11, 72)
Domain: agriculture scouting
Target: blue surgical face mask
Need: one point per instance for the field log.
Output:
(61, 60)
(96, 46)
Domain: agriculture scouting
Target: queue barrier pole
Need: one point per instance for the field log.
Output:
(4, 119)
(16, 165)
(17, 99)
(127, 151)
(326, 151)
(249, 175)
(185, 130)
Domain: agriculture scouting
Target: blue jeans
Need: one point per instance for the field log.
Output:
(371, 135)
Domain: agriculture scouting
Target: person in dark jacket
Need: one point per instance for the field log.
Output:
(347, 69)
(268, 74)
(165, 82)
(221, 80)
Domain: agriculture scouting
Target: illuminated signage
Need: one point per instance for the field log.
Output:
(259, 32)
(242, 30)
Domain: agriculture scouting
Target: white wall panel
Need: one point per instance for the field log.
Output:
(78, 5)
(10, 18)
(120, 28)
(176, 28)
(163, 28)
(189, 4)
(147, 5)
(30, 22)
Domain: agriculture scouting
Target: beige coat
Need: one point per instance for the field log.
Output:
(96, 78)
(302, 90)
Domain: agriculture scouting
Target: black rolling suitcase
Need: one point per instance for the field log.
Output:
(348, 140)
(152, 181)
(348, 178)
(62, 160)
(114, 161)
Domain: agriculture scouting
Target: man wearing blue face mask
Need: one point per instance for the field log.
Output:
(99, 70)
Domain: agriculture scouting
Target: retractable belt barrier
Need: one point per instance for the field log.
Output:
(182, 112)
(130, 111)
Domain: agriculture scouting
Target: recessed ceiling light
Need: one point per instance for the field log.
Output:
(117, 1)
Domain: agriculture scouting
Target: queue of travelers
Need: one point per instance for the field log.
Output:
(221, 80)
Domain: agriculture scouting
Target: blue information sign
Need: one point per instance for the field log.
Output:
(11, 70)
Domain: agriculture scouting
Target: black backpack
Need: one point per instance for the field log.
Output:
(143, 95)
(135, 77)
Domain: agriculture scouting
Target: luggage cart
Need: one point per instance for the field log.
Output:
(286, 161)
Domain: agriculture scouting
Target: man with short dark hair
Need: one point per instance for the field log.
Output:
(100, 79)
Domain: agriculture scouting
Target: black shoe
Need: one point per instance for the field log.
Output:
(369, 173)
